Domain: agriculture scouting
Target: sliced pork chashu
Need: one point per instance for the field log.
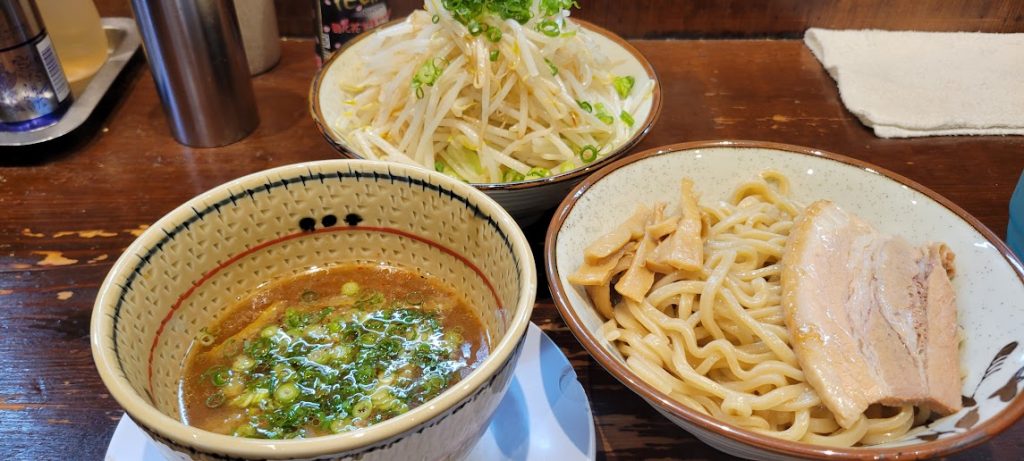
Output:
(872, 318)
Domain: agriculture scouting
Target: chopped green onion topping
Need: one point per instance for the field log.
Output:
(286, 393)
(549, 28)
(219, 375)
(415, 298)
(566, 166)
(243, 363)
(362, 408)
(625, 117)
(338, 425)
(270, 331)
(537, 173)
(370, 362)
(553, 7)
(205, 338)
(518, 10)
(511, 175)
(588, 153)
(603, 115)
(494, 55)
(551, 66)
(352, 288)
(245, 430)
(623, 85)
(585, 106)
(435, 18)
(466, 11)
(215, 399)
(308, 296)
(231, 348)
(428, 74)
(443, 167)
(494, 34)
(475, 28)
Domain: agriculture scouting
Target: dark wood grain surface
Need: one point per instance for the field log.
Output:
(724, 18)
(69, 208)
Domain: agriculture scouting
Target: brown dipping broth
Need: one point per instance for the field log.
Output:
(328, 351)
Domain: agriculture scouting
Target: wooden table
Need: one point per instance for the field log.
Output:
(69, 208)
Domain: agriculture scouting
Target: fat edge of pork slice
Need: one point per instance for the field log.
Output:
(945, 380)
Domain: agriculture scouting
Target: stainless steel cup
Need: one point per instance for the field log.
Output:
(196, 55)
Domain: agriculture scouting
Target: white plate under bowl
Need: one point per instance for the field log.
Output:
(989, 280)
(524, 200)
(545, 415)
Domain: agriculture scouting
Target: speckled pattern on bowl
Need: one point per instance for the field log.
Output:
(524, 200)
(989, 280)
(184, 271)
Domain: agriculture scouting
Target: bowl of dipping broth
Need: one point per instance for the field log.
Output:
(340, 309)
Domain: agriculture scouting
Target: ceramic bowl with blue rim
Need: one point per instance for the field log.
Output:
(187, 269)
(989, 281)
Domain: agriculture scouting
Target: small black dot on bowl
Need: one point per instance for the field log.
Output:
(353, 219)
(329, 220)
(307, 224)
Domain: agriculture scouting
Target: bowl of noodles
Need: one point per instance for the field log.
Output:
(514, 98)
(780, 302)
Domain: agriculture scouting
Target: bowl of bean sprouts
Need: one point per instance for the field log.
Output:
(512, 97)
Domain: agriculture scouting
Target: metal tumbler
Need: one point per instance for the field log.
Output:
(197, 58)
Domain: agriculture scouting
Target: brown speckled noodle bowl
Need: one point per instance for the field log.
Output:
(524, 200)
(183, 272)
(989, 280)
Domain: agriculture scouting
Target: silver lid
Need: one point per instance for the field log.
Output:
(19, 22)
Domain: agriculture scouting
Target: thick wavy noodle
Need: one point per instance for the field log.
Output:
(714, 338)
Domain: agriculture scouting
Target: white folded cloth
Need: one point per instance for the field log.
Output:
(910, 84)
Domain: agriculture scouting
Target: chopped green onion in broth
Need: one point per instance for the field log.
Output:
(384, 343)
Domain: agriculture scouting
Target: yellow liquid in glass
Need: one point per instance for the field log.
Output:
(78, 37)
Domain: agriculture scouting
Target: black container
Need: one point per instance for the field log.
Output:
(340, 20)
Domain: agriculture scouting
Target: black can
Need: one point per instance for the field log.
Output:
(340, 20)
